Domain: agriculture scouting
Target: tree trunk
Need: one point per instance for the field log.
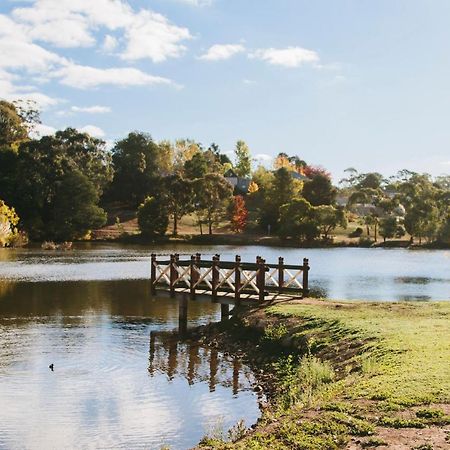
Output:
(368, 230)
(175, 224)
(375, 232)
(209, 223)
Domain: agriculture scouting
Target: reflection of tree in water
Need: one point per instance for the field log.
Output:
(188, 359)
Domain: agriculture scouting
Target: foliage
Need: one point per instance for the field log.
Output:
(211, 194)
(152, 217)
(75, 209)
(138, 162)
(243, 159)
(298, 219)
(329, 218)
(319, 190)
(239, 215)
(43, 170)
(279, 192)
(179, 197)
(8, 224)
(390, 228)
(13, 128)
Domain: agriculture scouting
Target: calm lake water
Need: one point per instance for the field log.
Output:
(122, 378)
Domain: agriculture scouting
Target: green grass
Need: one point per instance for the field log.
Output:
(356, 366)
(405, 350)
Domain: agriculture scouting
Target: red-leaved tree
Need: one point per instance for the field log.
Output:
(312, 171)
(239, 215)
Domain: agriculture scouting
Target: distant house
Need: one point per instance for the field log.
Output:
(240, 184)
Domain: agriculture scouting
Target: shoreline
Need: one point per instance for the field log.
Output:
(257, 240)
(362, 405)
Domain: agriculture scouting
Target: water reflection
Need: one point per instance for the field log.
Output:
(196, 364)
(121, 378)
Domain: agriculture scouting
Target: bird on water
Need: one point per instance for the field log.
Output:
(51, 367)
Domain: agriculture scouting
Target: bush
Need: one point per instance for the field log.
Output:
(356, 233)
(152, 217)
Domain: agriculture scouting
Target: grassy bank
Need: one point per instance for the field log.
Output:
(348, 374)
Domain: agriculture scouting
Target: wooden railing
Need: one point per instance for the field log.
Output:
(233, 278)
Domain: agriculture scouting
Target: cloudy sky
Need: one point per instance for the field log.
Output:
(362, 83)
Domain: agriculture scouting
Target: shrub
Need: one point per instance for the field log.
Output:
(356, 233)
(152, 217)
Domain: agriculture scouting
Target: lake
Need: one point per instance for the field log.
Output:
(121, 377)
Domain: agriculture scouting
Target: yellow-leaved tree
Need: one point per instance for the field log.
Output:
(8, 224)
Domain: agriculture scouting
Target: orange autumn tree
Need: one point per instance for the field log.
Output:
(239, 215)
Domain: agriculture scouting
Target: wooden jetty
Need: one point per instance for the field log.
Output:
(229, 282)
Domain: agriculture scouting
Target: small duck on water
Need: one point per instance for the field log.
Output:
(51, 367)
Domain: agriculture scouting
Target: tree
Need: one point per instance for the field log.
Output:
(328, 218)
(152, 216)
(319, 190)
(179, 196)
(196, 167)
(75, 209)
(425, 209)
(137, 161)
(312, 171)
(8, 224)
(243, 159)
(298, 220)
(44, 165)
(239, 214)
(13, 129)
(390, 228)
(212, 192)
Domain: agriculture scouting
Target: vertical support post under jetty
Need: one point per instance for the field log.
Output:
(173, 275)
(305, 277)
(193, 277)
(280, 274)
(224, 312)
(237, 280)
(182, 315)
(153, 274)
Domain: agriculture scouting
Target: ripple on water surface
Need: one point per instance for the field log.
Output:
(121, 378)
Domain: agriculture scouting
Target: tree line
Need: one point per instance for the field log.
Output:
(62, 186)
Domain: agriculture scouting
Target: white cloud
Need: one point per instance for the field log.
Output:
(152, 36)
(9, 91)
(84, 77)
(197, 2)
(263, 157)
(93, 131)
(42, 130)
(96, 109)
(220, 52)
(287, 57)
(109, 43)
(71, 23)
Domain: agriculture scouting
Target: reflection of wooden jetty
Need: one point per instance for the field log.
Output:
(184, 358)
(227, 282)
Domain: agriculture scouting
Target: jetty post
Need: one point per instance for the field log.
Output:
(280, 274)
(305, 290)
(237, 280)
(153, 274)
(173, 275)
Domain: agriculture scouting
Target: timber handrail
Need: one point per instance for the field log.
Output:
(229, 277)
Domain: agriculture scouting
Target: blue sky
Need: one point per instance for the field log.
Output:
(341, 83)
